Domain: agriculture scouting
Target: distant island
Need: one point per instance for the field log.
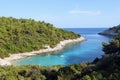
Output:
(26, 37)
(111, 31)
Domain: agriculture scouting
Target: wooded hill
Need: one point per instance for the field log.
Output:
(24, 35)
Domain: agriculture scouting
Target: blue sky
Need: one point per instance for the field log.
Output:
(65, 13)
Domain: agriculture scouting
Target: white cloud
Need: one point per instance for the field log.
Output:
(85, 12)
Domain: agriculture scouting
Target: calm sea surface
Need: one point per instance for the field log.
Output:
(73, 53)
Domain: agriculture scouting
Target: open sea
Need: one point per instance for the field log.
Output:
(73, 53)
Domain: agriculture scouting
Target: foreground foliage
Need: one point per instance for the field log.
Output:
(24, 35)
(105, 69)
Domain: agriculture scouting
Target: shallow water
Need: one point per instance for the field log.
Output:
(73, 53)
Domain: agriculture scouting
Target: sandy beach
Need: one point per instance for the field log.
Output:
(60, 46)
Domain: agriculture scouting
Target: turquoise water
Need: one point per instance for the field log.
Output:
(73, 53)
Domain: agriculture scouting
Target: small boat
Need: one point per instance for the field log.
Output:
(61, 55)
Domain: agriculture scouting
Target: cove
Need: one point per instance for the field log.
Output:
(73, 53)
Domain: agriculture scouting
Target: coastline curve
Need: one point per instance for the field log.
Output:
(60, 46)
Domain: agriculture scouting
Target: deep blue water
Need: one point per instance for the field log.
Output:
(73, 53)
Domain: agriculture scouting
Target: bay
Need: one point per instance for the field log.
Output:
(85, 51)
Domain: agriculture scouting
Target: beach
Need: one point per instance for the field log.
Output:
(60, 46)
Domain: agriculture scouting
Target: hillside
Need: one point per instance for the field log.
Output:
(111, 31)
(25, 35)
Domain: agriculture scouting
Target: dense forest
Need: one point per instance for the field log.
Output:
(24, 35)
(106, 68)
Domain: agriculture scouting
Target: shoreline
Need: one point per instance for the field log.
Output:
(60, 46)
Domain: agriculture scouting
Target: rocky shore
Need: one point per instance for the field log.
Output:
(60, 46)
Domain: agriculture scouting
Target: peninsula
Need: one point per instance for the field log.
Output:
(114, 31)
(20, 38)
